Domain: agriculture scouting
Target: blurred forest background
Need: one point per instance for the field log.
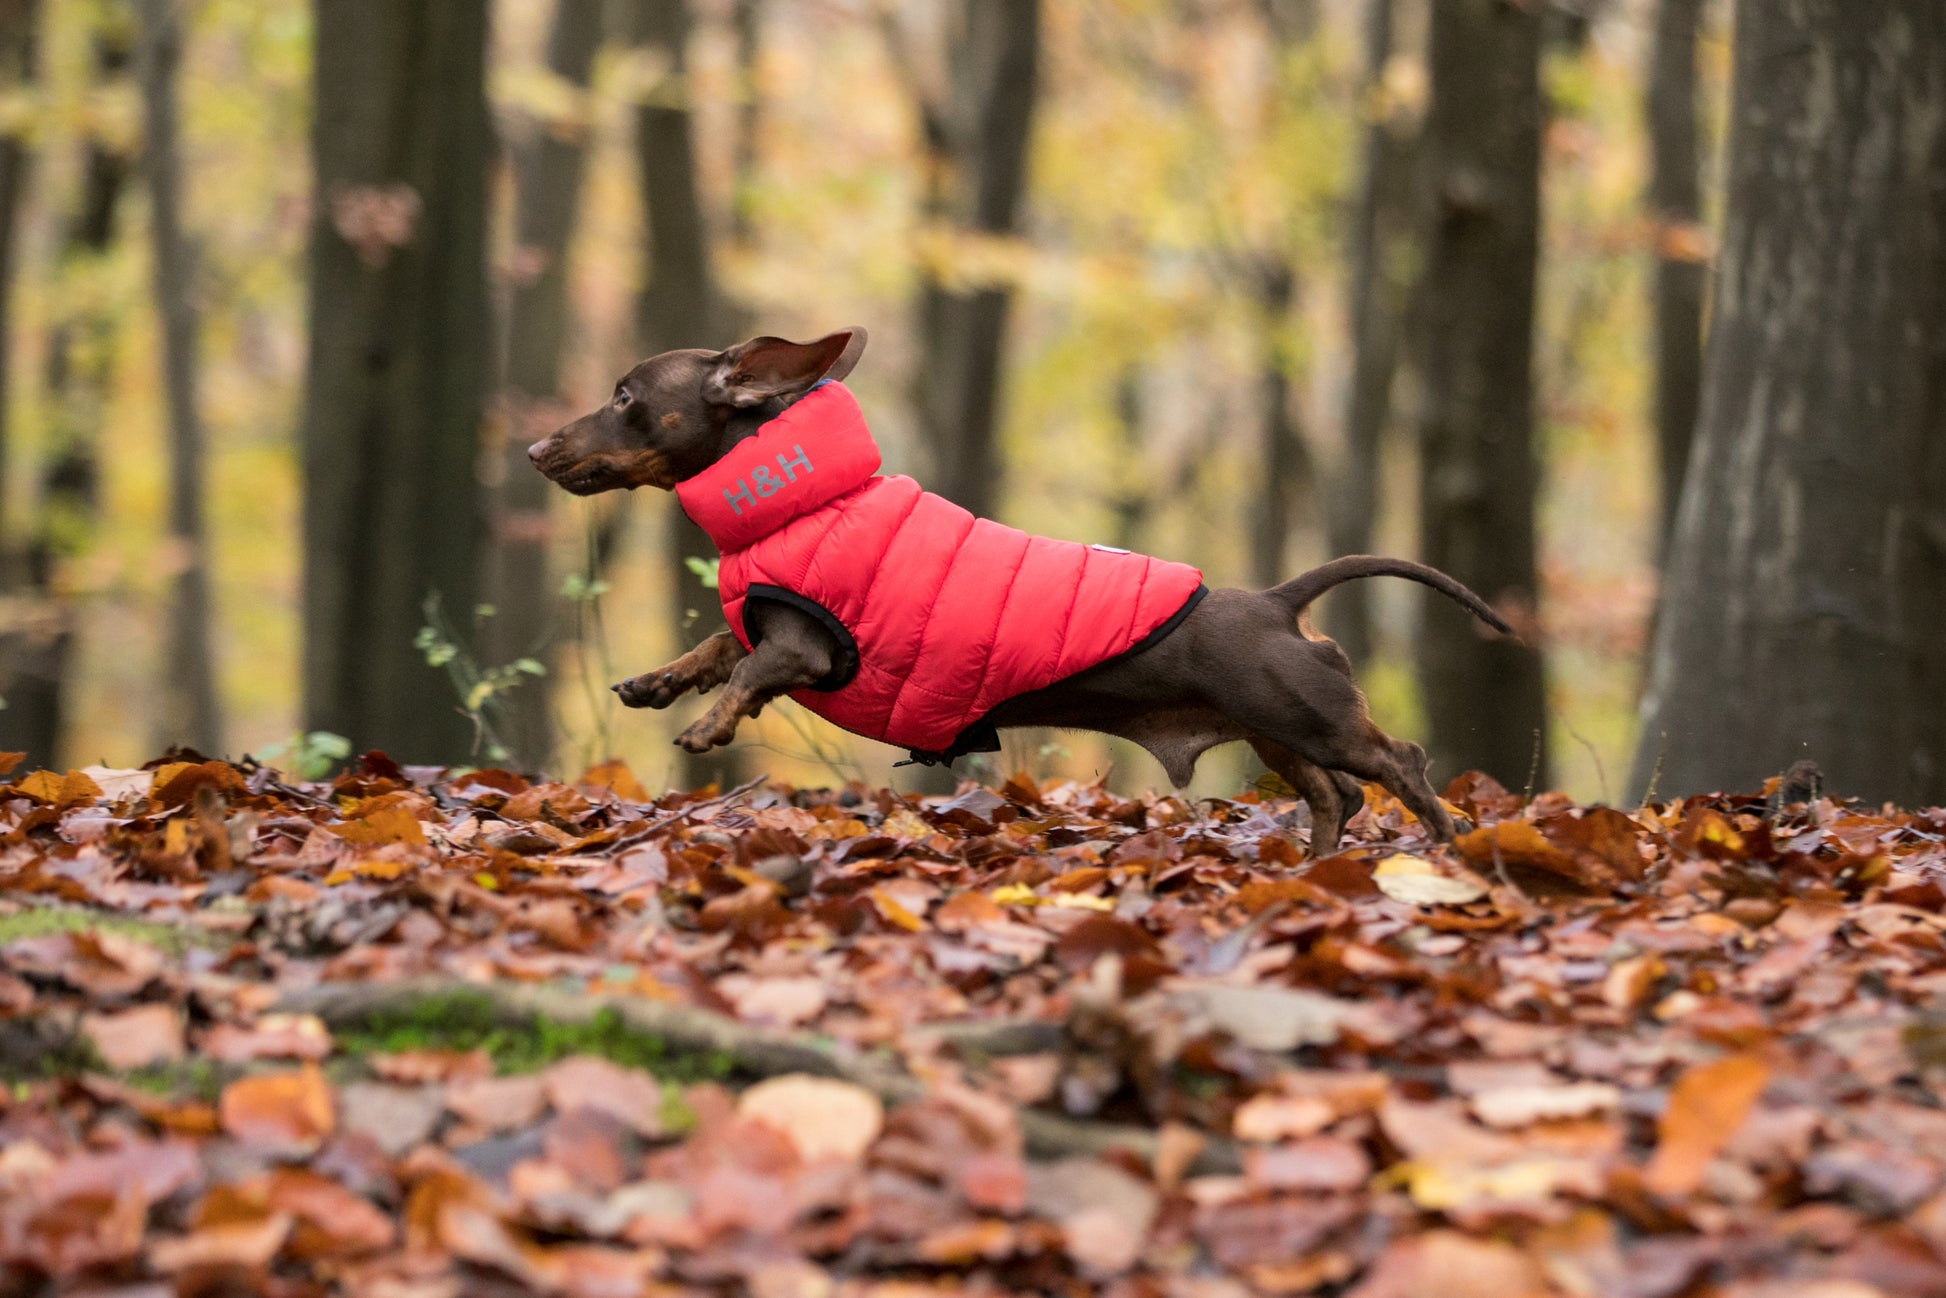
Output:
(1246, 283)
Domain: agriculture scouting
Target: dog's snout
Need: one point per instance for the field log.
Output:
(535, 451)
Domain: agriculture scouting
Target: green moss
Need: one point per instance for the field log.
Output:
(199, 1079)
(471, 1021)
(44, 921)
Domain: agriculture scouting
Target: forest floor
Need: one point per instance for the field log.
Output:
(410, 1036)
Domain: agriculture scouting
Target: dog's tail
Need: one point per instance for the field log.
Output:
(1300, 591)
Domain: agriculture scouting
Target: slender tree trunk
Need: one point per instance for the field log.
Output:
(680, 307)
(1484, 697)
(191, 713)
(1676, 201)
(19, 50)
(976, 138)
(747, 20)
(1381, 243)
(1134, 494)
(1802, 614)
(1287, 476)
(548, 168)
(399, 365)
(35, 654)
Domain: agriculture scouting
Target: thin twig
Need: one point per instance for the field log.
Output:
(641, 832)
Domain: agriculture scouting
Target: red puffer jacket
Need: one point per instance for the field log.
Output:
(939, 616)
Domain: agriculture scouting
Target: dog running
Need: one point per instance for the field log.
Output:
(897, 615)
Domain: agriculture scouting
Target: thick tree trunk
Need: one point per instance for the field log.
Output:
(548, 167)
(1676, 202)
(27, 636)
(1802, 614)
(399, 365)
(976, 137)
(35, 650)
(679, 307)
(191, 713)
(1484, 698)
(1381, 235)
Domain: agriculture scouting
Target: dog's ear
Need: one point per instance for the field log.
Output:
(753, 372)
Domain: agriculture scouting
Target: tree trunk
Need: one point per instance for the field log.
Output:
(1381, 235)
(679, 307)
(27, 639)
(976, 136)
(1484, 697)
(398, 365)
(35, 651)
(1802, 613)
(548, 167)
(19, 49)
(1286, 476)
(1676, 204)
(190, 712)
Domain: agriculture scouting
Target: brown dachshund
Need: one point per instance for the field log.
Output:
(1243, 665)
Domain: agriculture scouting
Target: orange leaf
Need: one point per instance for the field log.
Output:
(284, 1111)
(1706, 1106)
(60, 791)
(615, 776)
(178, 783)
(1518, 846)
(385, 825)
(10, 760)
(893, 913)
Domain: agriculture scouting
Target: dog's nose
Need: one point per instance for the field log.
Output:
(534, 451)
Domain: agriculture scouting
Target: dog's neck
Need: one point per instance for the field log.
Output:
(742, 424)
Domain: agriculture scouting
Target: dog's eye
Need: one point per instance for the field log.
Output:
(622, 398)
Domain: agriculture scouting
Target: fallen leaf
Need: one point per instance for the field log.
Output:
(1706, 1106)
(822, 1116)
(147, 1034)
(289, 1112)
(1417, 882)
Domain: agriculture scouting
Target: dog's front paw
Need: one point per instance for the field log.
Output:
(706, 734)
(649, 690)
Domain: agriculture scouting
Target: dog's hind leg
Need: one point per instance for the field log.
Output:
(1311, 708)
(1333, 796)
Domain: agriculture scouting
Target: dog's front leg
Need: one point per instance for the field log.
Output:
(793, 653)
(702, 669)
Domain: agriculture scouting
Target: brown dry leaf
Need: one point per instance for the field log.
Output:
(288, 1113)
(120, 785)
(584, 1081)
(177, 784)
(147, 1034)
(383, 825)
(1707, 1105)
(497, 1103)
(781, 1002)
(1418, 882)
(273, 1036)
(1522, 1106)
(1516, 847)
(1103, 1212)
(240, 1245)
(1447, 1264)
(614, 776)
(417, 1066)
(821, 1116)
(74, 789)
(330, 1221)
